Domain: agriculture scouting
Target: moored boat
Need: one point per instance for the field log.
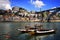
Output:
(37, 32)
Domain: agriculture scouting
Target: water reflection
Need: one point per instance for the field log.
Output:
(26, 36)
(11, 28)
(44, 37)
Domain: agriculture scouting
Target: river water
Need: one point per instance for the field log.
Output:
(11, 28)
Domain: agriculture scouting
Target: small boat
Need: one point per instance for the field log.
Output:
(45, 31)
(37, 32)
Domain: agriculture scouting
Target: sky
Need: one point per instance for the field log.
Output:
(30, 5)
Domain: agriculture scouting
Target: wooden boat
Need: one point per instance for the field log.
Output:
(39, 32)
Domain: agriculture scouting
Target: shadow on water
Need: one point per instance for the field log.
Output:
(11, 29)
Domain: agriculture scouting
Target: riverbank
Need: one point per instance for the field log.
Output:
(31, 21)
(55, 20)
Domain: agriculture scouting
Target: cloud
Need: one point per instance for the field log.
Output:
(37, 3)
(5, 4)
(53, 7)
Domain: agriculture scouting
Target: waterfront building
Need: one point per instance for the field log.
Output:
(15, 9)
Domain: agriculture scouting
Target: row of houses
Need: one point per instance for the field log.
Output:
(18, 13)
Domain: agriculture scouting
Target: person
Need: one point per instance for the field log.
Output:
(26, 27)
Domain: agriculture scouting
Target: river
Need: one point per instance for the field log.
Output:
(11, 28)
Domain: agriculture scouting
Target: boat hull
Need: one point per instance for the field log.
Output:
(40, 32)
